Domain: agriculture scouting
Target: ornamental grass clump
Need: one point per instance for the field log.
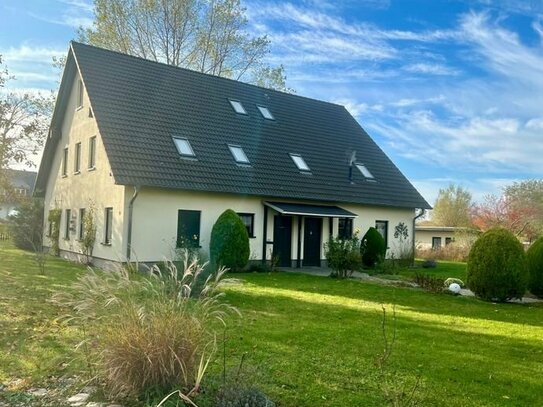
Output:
(497, 269)
(535, 267)
(147, 333)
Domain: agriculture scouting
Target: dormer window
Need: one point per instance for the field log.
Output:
(238, 154)
(183, 147)
(300, 162)
(364, 171)
(266, 114)
(238, 107)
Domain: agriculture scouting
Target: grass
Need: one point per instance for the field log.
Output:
(314, 339)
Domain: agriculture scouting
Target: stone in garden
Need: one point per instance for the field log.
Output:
(95, 404)
(38, 392)
(79, 399)
(455, 288)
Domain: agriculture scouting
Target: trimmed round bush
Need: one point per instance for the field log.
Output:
(497, 269)
(373, 248)
(229, 245)
(535, 267)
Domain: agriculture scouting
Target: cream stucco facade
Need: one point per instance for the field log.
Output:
(433, 237)
(154, 212)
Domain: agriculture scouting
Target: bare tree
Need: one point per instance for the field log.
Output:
(209, 36)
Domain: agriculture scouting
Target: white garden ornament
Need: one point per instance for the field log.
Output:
(455, 288)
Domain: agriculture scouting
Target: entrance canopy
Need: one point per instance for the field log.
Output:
(288, 208)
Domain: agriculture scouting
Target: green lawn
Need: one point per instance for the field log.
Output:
(314, 339)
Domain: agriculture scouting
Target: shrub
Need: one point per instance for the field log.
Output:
(535, 267)
(26, 226)
(451, 280)
(229, 245)
(148, 335)
(429, 264)
(429, 282)
(497, 266)
(373, 248)
(242, 396)
(343, 256)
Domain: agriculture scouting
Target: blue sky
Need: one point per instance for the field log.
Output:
(451, 90)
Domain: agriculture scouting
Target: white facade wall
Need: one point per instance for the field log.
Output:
(91, 187)
(155, 221)
(423, 238)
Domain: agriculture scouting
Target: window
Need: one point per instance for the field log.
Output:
(345, 228)
(49, 225)
(266, 114)
(448, 240)
(67, 225)
(108, 232)
(238, 107)
(300, 163)
(248, 220)
(92, 152)
(365, 172)
(65, 163)
(81, 224)
(239, 154)
(188, 228)
(77, 158)
(79, 93)
(183, 147)
(382, 228)
(436, 243)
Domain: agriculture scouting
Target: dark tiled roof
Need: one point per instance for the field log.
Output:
(22, 179)
(139, 105)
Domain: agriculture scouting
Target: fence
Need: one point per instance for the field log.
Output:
(4, 234)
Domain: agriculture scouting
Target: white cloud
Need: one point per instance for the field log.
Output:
(430, 69)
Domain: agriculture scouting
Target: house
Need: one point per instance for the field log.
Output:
(160, 152)
(22, 183)
(433, 237)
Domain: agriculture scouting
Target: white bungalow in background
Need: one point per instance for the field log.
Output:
(160, 152)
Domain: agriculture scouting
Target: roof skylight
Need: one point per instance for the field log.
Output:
(237, 106)
(238, 154)
(300, 162)
(365, 172)
(183, 147)
(265, 112)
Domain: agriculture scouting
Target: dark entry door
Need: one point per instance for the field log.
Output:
(312, 241)
(282, 239)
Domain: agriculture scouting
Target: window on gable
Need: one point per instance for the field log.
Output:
(77, 158)
(300, 162)
(183, 147)
(265, 112)
(67, 225)
(79, 93)
(81, 233)
(364, 171)
(92, 152)
(108, 231)
(65, 163)
(248, 220)
(238, 154)
(237, 106)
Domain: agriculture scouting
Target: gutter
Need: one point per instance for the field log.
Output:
(422, 212)
(129, 231)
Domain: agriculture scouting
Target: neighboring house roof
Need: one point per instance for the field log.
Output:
(22, 179)
(435, 228)
(139, 105)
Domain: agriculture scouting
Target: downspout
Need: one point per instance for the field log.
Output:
(422, 212)
(129, 231)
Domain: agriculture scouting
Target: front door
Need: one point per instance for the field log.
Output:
(312, 241)
(282, 239)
